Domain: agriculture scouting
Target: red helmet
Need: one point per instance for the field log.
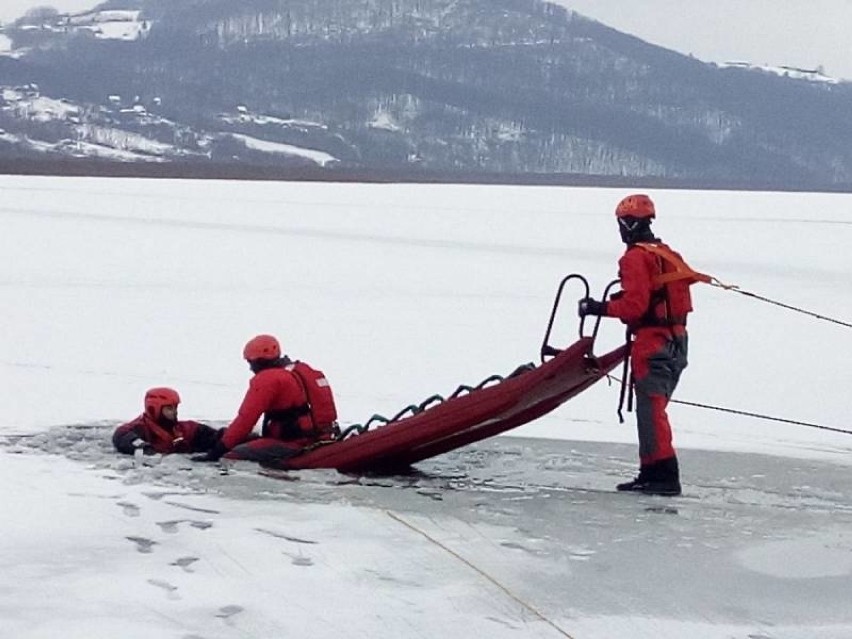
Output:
(262, 347)
(156, 398)
(637, 205)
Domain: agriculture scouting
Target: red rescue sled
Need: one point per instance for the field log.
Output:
(483, 412)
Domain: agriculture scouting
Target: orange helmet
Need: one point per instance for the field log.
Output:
(262, 347)
(156, 398)
(637, 205)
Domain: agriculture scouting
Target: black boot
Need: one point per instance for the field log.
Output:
(665, 479)
(639, 482)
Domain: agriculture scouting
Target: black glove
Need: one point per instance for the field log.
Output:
(212, 455)
(588, 306)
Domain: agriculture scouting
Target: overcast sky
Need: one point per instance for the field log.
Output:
(776, 32)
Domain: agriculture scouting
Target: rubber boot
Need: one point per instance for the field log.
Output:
(639, 482)
(665, 479)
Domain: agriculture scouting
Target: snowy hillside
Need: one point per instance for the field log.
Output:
(126, 129)
(425, 88)
(398, 292)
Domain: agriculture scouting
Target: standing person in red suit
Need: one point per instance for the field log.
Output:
(158, 430)
(654, 302)
(276, 393)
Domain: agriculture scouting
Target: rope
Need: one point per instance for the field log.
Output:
(760, 416)
(480, 572)
(737, 289)
(748, 414)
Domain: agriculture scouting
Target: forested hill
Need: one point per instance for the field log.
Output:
(469, 86)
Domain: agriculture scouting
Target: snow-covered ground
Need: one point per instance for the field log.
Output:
(398, 292)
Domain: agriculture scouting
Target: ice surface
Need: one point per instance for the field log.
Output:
(398, 292)
(513, 537)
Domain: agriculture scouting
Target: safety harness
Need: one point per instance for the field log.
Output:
(678, 270)
(319, 408)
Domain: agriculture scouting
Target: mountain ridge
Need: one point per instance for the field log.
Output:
(500, 87)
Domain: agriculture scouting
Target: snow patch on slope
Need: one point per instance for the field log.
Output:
(244, 116)
(37, 108)
(795, 73)
(109, 25)
(320, 157)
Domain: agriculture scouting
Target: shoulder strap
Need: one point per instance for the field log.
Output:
(681, 270)
(158, 431)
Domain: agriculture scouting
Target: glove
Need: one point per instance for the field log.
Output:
(588, 306)
(142, 447)
(212, 455)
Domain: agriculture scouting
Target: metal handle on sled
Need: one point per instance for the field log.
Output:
(550, 351)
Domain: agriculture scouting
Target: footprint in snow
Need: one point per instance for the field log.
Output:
(172, 526)
(300, 560)
(169, 526)
(184, 563)
(130, 510)
(142, 545)
(165, 585)
(226, 612)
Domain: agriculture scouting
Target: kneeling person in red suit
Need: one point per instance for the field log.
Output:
(279, 394)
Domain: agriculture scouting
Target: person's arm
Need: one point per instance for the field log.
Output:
(632, 304)
(129, 437)
(204, 437)
(257, 400)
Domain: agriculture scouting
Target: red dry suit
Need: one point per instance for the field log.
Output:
(278, 395)
(654, 302)
(163, 436)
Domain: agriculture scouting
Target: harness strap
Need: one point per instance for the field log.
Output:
(287, 419)
(161, 432)
(626, 386)
(682, 270)
(660, 295)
